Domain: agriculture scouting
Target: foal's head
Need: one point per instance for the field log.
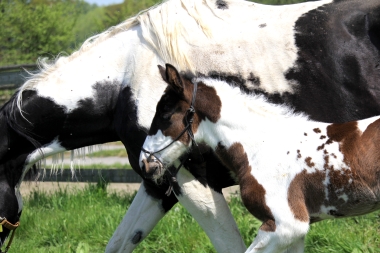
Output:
(178, 114)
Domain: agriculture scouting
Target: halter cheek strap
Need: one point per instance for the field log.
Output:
(189, 118)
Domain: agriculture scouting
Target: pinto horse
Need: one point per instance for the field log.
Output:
(326, 65)
(292, 171)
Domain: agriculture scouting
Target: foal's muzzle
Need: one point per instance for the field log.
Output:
(152, 167)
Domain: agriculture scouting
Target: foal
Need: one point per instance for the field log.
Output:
(292, 171)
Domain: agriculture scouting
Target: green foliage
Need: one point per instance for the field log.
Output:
(89, 24)
(114, 14)
(5, 95)
(31, 30)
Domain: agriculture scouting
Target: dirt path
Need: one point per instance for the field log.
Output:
(28, 187)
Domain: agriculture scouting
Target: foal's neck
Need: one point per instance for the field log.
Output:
(248, 118)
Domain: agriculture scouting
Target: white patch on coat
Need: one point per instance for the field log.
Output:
(363, 124)
(171, 152)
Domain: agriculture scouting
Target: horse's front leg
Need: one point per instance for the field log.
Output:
(209, 208)
(142, 216)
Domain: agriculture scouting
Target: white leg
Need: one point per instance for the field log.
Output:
(297, 247)
(210, 210)
(288, 237)
(140, 219)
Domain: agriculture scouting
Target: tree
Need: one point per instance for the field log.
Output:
(31, 29)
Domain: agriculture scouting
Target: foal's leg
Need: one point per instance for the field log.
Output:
(287, 237)
(140, 219)
(209, 208)
(297, 247)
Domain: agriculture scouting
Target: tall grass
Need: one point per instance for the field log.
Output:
(85, 220)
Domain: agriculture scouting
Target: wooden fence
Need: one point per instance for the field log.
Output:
(12, 77)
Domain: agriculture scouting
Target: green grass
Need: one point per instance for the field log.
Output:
(107, 153)
(99, 166)
(85, 220)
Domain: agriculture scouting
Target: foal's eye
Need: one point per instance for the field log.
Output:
(166, 108)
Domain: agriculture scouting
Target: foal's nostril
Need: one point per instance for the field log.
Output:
(150, 168)
(153, 167)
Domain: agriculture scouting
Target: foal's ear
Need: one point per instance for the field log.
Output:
(174, 79)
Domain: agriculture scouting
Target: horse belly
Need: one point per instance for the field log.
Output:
(352, 199)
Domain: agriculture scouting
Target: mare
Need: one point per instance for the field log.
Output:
(292, 171)
(326, 65)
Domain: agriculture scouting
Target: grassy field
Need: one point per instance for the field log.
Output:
(100, 166)
(84, 221)
(111, 152)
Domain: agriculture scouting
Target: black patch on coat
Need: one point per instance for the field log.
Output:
(92, 122)
(207, 168)
(263, 25)
(254, 79)
(335, 78)
(337, 69)
(137, 237)
(221, 4)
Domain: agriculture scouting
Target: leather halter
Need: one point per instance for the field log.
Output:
(189, 117)
(12, 227)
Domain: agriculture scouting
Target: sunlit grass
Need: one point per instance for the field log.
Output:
(85, 220)
(100, 166)
(111, 152)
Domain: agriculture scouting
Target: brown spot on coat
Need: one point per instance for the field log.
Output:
(299, 154)
(361, 150)
(305, 134)
(323, 137)
(306, 194)
(252, 193)
(309, 162)
(321, 147)
(317, 130)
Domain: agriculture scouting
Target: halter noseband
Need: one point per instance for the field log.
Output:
(189, 117)
(12, 227)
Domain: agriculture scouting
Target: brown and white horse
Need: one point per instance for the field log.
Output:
(292, 171)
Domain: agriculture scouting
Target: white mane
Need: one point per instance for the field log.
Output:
(162, 29)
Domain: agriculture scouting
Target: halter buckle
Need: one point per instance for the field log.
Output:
(12, 227)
